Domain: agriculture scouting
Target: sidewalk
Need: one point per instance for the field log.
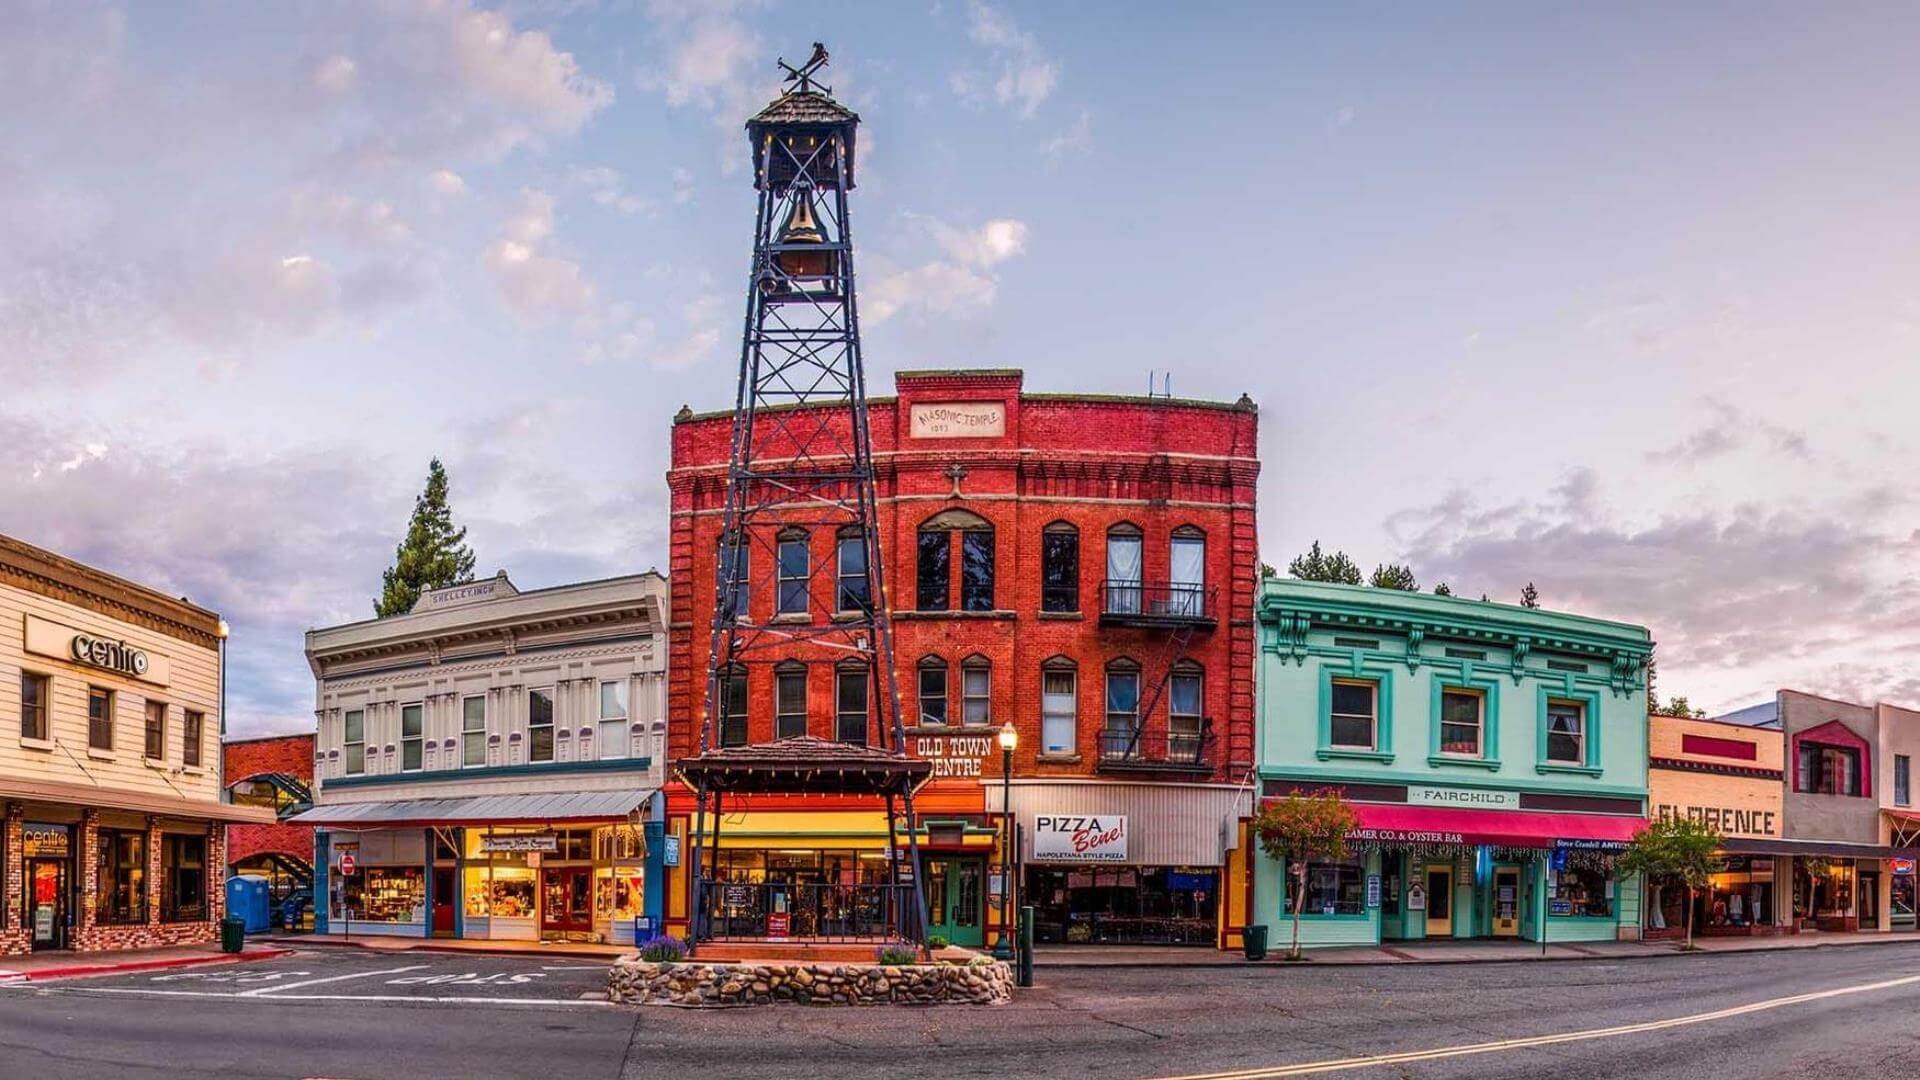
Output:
(1443, 952)
(450, 945)
(68, 965)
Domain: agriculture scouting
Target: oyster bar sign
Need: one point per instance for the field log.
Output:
(1079, 838)
(95, 650)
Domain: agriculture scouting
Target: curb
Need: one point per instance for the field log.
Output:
(1041, 964)
(81, 972)
(323, 941)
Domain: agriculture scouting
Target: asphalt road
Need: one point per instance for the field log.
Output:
(1804, 1013)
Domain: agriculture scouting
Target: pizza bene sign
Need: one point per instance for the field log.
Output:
(1079, 838)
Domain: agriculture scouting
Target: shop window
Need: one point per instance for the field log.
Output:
(1901, 792)
(1353, 714)
(193, 733)
(473, 732)
(1460, 722)
(156, 730)
(1123, 570)
(613, 718)
(120, 896)
(393, 894)
(738, 552)
(933, 691)
(33, 706)
(1828, 770)
(793, 572)
(540, 724)
(1123, 696)
(790, 700)
(1060, 568)
(1187, 572)
(976, 692)
(854, 592)
(850, 706)
(183, 865)
(353, 740)
(1332, 889)
(1580, 890)
(733, 707)
(1566, 733)
(412, 737)
(99, 718)
(1059, 708)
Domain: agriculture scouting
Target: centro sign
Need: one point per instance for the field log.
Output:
(1080, 838)
(48, 638)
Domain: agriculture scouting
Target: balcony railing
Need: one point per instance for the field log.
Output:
(732, 910)
(1133, 603)
(1147, 750)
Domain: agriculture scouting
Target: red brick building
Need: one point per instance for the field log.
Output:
(1080, 565)
(274, 771)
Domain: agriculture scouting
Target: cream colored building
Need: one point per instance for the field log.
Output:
(486, 765)
(109, 760)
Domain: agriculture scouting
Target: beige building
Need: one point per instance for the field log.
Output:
(109, 760)
(486, 765)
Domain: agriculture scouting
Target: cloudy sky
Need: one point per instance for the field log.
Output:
(1617, 300)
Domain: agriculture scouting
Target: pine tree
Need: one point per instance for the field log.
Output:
(1653, 676)
(1442, 589)
(1318, 566)
(1393, 576)
(1529, 596)
(433, 555)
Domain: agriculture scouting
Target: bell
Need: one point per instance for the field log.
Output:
(801, 228)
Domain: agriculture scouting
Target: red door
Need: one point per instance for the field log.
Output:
(567, 900)
(443, 879)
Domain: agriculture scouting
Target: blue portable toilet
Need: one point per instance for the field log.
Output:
(248, 900)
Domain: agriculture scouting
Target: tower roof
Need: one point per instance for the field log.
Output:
(804, 107)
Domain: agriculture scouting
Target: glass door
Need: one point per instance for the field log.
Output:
(566, 900)
(46, 902)
(1869, 900)
(1506, 902)
(1439, 901)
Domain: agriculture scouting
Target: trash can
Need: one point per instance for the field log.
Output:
(1254, 939)
(233, 934)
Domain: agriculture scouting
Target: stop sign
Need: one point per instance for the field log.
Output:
(347, 862)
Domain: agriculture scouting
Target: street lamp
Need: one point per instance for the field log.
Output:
(1009, 738)
(220, 762)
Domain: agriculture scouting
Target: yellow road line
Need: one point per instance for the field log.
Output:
(1341, 1064)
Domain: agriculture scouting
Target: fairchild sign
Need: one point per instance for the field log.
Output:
(1079, 838)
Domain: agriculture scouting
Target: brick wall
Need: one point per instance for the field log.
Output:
(290, 754)
(1088, 461)
(15, 936)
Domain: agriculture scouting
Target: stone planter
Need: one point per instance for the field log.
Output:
(633, 981)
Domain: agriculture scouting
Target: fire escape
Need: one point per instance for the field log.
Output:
(1180, 739)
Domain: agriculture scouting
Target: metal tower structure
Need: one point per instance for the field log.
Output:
(801, 461)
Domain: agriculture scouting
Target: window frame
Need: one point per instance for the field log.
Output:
(785, 581)
(113, 869)
(1558, 708)
(100, 725)
(936, 543)
(1488, 691)
(1124, 596)
(735, 723)
(40, 706)
(976, 544)
(1061, 667)
(1060, 570)
(841, 713)
(1187, 598)
(153, 730)
(1817, 776)
(1902, 780)
(850, 539)
(1372, 715)
(970, 667)
(783, 715)
(606, 751)
(551, 727)
(1561, 695)
(417, 742)
(1347, 873)
(348, 744)
(1479, 725)
(170, 877)
(1122, 668)
(193, 736)
(742, 553)
(933, 667)
(471, 736)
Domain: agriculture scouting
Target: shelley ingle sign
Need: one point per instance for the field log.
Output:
(101, 651)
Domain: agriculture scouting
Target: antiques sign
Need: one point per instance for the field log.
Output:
(94, 650)
(959, 420)
(1079, 838)
(954, 755)
(543, 842)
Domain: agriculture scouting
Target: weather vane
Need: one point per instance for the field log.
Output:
(803, 75)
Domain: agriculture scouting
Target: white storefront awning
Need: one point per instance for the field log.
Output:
(1165, 824)
(548, 809)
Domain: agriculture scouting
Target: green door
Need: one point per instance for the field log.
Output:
(956, 899)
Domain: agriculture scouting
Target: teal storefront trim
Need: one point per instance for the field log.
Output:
(322, 870)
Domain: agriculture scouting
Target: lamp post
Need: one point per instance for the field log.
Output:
(1009, 738)
(220, 766)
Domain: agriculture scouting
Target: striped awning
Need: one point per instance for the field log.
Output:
(585, 806)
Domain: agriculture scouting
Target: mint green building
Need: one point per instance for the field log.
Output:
(1495, 757)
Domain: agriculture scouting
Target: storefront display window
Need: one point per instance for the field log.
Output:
(617, 893)
(499, 891)
(1332, 889)
(1580, 890)
(183, 860)
(394, 894)
(121, 877)
(1124, 905)
(1740, 895)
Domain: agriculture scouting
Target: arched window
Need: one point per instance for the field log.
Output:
(733, 706)
(933, 691)
(1187, 572)
(1186, 711)
(1059, 706)
(851, 683)
(794, 569)
(1123, 569)
(934, 579)
(1060, 567)
(976, 691)
(853, 592)
(790, 699)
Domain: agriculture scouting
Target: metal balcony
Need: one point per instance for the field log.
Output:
(1156, 604)
(1145, 750)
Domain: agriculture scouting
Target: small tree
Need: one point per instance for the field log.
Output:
(1299, 829)
(1443, 589)
(1674, 848)
(1394, 576)
(433, 555)
(1529, 596)
(1316, 565)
